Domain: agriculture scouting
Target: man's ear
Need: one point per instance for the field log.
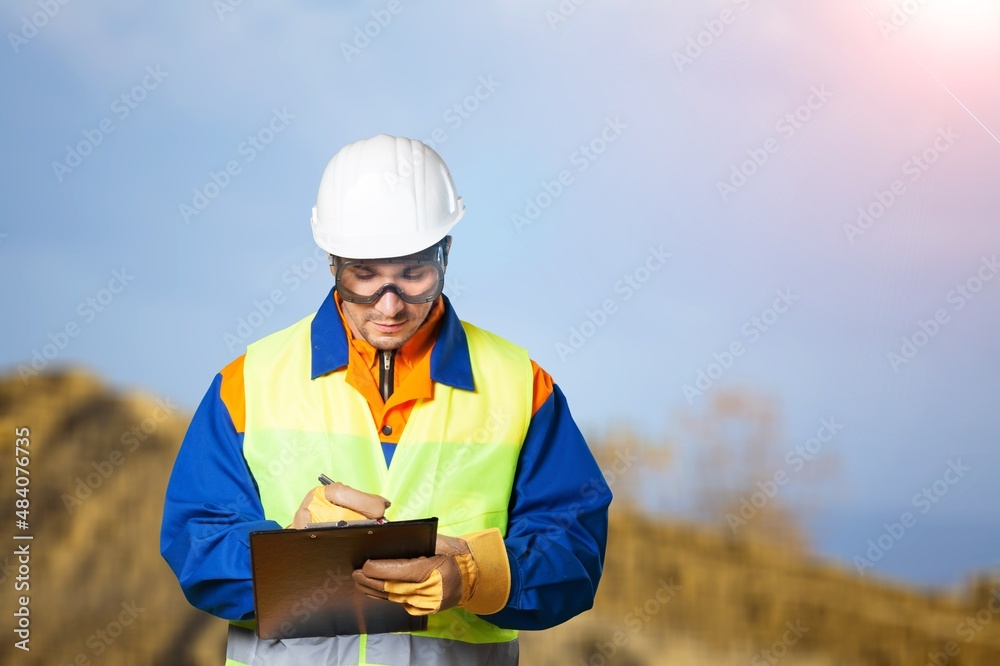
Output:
(447, 249)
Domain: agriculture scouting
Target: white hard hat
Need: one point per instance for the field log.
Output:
(384, 197)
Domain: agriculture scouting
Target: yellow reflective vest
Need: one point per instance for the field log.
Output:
(455, 459)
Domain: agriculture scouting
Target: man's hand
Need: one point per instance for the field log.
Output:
(470, 572)
(336, 502)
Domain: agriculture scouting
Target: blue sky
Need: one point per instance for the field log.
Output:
(739, 138)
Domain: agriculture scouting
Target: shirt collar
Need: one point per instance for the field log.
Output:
(450, 362)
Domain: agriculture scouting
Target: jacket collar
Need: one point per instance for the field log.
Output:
(450, 362)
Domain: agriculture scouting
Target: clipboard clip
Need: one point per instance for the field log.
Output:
(348, 523)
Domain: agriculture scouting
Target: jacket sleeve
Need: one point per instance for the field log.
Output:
(557, 522)
(211, 506)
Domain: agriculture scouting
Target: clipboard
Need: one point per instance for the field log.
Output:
(302, 583)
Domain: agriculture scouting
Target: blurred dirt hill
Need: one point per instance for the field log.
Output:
(671, 594)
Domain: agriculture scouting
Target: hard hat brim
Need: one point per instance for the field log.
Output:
(387, 245)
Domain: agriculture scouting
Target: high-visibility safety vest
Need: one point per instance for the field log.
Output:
(455, 459)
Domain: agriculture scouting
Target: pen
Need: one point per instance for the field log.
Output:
(325, 480)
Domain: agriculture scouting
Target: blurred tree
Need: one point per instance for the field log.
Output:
(627, 460)
(743, 482)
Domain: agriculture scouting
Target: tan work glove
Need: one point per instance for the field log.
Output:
(471, 572)
(336, 502)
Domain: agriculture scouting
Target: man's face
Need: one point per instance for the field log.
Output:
(390, 321)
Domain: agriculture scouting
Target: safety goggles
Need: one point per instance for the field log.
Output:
(365, 280)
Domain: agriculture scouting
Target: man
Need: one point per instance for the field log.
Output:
(414, 414)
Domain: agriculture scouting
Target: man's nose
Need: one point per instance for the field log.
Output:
(390, 304)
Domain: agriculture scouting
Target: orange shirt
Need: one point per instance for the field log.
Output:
(411, 377)
(411, 373)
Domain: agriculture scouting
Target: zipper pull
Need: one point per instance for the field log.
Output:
(385, 380)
